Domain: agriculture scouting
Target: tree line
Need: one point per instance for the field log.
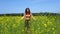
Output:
(35, 14)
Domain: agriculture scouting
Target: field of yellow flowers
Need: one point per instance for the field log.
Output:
(42, 25)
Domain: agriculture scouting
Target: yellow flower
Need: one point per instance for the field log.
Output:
(53, 28)
(45, 25)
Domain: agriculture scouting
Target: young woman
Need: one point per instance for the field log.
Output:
(27, 16)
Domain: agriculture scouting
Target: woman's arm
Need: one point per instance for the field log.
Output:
(32, 16)
(23, 17)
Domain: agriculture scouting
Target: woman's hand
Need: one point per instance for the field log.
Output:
(22, 18)
(33, 18)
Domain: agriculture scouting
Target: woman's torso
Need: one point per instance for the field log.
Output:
(27, 16)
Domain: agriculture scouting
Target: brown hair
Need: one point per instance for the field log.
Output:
(26, 11)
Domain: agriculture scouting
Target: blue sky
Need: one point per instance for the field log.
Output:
(18, 6)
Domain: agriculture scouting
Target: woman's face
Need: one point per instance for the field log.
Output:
(27, 10)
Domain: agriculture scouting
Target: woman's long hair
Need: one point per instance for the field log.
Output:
(27, 12)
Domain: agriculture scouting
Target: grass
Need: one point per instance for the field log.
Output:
(42, 25)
